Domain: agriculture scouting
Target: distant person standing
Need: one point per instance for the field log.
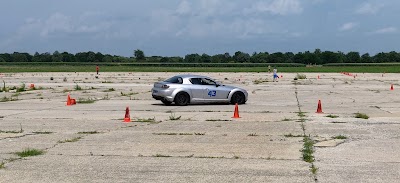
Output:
(269, 68)
(97, 69)
(275, 75)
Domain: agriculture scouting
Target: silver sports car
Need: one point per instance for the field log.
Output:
(185, 89)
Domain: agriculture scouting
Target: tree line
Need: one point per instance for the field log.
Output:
(316, 57)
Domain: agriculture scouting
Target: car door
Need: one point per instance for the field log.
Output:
(197, 89)
(213, 92)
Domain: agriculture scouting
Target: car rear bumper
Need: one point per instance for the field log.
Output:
(162, 94)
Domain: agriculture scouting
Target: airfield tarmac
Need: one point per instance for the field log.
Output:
(90, 143)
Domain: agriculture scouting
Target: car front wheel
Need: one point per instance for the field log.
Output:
(238, 97)
(182, 99)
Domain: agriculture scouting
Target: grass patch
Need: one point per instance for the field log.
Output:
(129, 94)
(301, 114)
(259, 81)
(85, 101)
(30, 152)
(21, 88)
(10, 131)
(332, 116)
(236, 157)
(185, 133)
(76, 139)
(339, 137)
(2, 165)
(218, 120)
(313, 169)
(77, 87)
(161, 156)
(13, 131)
(300, 76)
(45, 132)
(89, 132)
(361, 115)
(308, 150)
(286, 119)
(148, 120)
(211, 157)
(291, 135)
(165, 133)
(6, 99)
(172, 117)
(199, 133)
(252, 135)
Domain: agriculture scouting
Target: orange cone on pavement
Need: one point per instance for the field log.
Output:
(319, 109)
(236, 113)
(391, 87)
(127, 118)
(318, 76)
(69, 100)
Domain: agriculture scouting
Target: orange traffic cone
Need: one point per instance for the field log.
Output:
(236, 113)
(319, 109)
(391, 87)
(69, 100)
(318, 76)
(127, 118)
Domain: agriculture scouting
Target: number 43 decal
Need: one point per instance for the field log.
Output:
(212, 93)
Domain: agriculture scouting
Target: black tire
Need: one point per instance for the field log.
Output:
(238, 97)
(182, 99)
(166, 102)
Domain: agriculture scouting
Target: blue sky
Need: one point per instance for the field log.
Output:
(180, 27)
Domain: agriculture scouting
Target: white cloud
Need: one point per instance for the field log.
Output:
(277, 7)
(57, 23)
(369, 8)
(386, 30)
(348, 26)
(184, 7)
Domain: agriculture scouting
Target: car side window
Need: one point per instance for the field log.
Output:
(177, 80)
(195, 81)
(205, 81)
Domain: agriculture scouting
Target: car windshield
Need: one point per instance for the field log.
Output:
(175, 79)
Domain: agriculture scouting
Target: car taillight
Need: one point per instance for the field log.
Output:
(165, 86)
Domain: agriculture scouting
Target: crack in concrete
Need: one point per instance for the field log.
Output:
(17, 137)
(381, 109)
(304, 130)
(169, 156)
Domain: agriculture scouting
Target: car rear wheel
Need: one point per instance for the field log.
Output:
(166, 102)
(182, 99)
(238, 97)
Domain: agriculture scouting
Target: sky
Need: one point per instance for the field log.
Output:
(180, 27)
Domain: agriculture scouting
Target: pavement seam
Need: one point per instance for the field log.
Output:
(313, 169)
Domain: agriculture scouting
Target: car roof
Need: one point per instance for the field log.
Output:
(191, 76)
